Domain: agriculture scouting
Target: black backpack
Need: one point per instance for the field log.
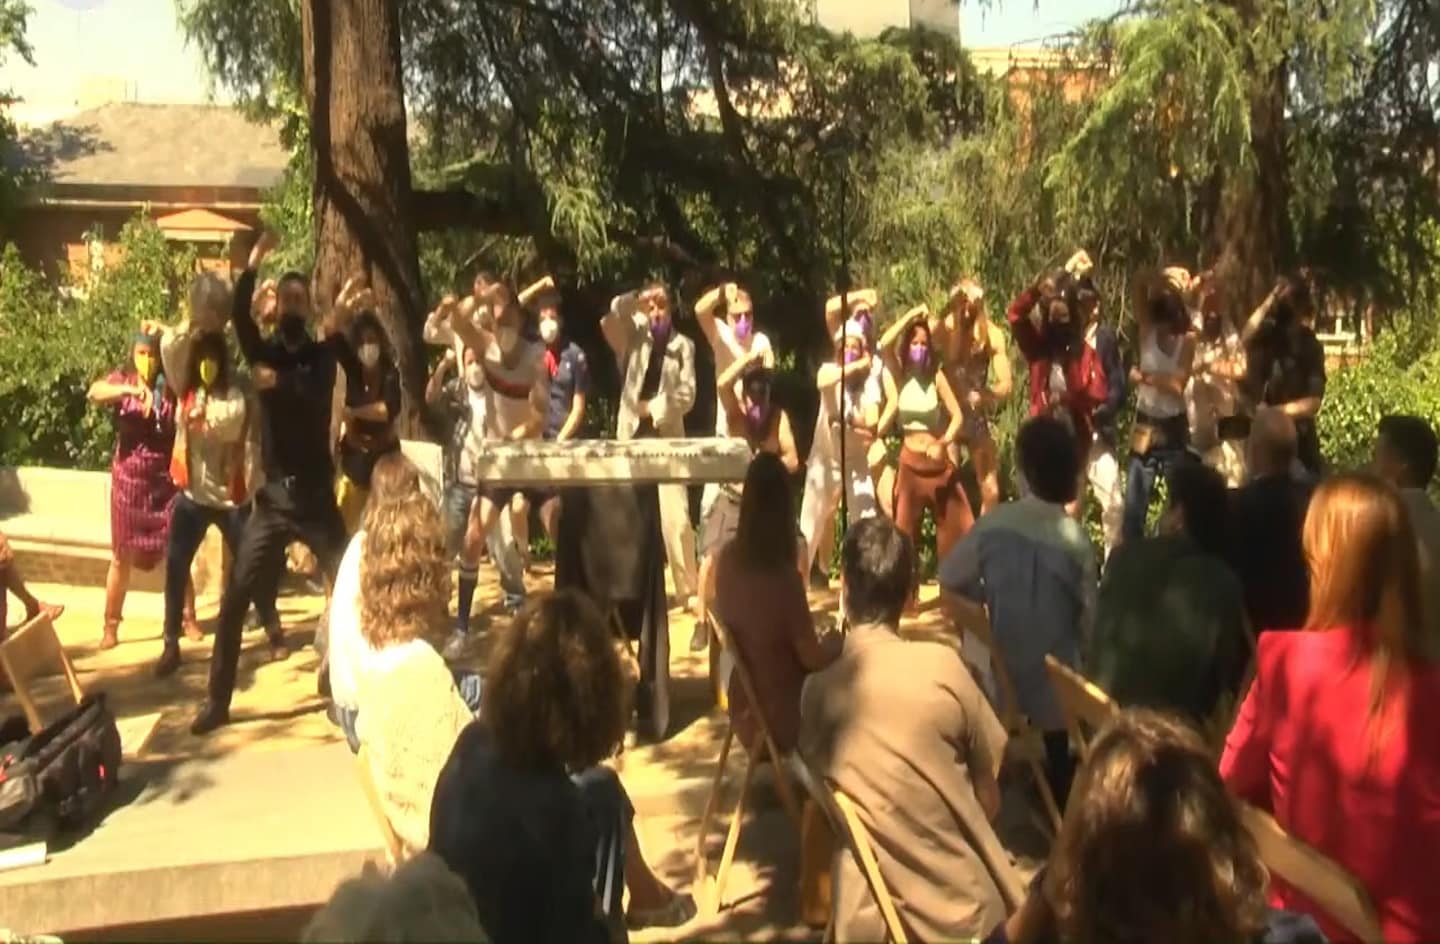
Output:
(61, 777)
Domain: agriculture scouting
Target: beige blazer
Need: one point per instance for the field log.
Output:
(628, 333)
(899, 726)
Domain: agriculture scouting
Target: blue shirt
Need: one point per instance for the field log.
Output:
(571, 377)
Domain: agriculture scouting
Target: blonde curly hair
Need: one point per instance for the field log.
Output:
(404, 572)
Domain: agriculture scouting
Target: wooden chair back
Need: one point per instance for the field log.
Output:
(1314, 875)
(393, 845)
(32, 651)
(844, 819)
(1086, 707)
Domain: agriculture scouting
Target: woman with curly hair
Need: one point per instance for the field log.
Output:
(1152, 849)
(524, 813)
(409, 710)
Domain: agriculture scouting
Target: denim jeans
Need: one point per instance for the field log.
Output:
(189, 520)
(456, 511)
(1140, 483)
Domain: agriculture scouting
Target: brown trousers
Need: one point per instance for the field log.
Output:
(922, 482)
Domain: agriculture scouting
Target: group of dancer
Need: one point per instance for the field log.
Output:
(201, 443)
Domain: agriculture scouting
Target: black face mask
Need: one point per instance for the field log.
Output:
(1062, 333)
(292, 331)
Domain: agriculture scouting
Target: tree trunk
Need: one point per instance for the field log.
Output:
(363, 221)
(1251, 232)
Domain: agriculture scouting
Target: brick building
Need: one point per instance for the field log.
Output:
(200, 171)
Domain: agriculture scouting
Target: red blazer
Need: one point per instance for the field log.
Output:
(1085, 387)
(1302, 749)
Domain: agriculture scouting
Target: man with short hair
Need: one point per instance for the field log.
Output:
(1267, 516)
(1170, 626)
(1406, 457)
(1031, 566)
(901, 727)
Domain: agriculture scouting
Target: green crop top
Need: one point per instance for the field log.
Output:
(919, 407)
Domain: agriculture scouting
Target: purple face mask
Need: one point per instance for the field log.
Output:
(744, 327)
(851, 355)
(660, 330)
(919, 355)
(755, 415)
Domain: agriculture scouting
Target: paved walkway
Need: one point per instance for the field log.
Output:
(276, 709)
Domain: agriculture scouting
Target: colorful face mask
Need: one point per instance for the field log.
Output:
(744, 327)
(209, 371)
(292, 330)
(369, 354)
(853, 354)
(145, 366)
(549, 330)
(660, 330)
(474, 376)
(919, 355)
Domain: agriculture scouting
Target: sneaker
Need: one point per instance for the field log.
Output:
(700, 639)
(456, 645)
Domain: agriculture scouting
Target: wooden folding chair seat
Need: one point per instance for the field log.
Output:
(1314, 875)
(844, 821)
(1016, 724)
(712, 899)
(393, 846)
(34, 651)
(1086, 707)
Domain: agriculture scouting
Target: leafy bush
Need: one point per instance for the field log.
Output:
(56, 343)
(1400, 374)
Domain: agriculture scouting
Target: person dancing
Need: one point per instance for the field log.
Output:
(860, 307)
(295, 376)
(517, 389)
(372, 404)
(852, 396)
(978, 368)
(140, 488)
(657, 366)
(926, 477)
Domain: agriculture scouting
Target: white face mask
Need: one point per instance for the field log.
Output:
(474, 377)
(549, 330)
(369, 354)
(507, 336)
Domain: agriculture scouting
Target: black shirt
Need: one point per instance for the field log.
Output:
(1265, 552)
(367, 440)
(1287, 363)
(295, 413)
(521, 841)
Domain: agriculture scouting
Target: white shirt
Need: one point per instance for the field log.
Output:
(517, 392)
(350, 655)
(1209, 397)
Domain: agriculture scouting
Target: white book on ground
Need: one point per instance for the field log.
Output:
(23, 855)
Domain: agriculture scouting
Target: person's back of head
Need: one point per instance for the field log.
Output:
(1198, 505)
(1406, 451)
(1365, 573)
(1152, 847)
(393, 478)
(1273, 444)
(765, 536)
(1049, 460)
(422, 901)
(404, 571)
(876, 566)
(556, 695)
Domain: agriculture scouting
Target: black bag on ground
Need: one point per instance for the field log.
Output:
(65, 773)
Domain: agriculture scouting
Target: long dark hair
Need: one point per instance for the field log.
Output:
(210, 343)
(369, 321)
(765, 537)
(932, 360)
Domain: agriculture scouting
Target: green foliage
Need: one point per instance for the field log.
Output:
(14, 17)
(56, 343)
(288, 212)
(1392, 379)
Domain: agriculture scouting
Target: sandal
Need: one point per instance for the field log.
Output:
(679, 910)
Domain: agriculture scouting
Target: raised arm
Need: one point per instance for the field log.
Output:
(730, 375)
(437, 330)
(831, 373)
(1027, 335)
(533, 291)
(706, 306)
(108, 391)
(476, 337)
(435, 388)
(888, 341)
(247, 333)
(835, 306)
(1003, 383)
(618, 324)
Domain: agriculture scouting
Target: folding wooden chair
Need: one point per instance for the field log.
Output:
(715, 899)
(1314, 875)
(844, 820)
(34, 650)
(393, 846)
(1084, 704)
(1030, 740)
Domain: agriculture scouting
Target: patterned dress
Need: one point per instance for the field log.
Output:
(140, 487)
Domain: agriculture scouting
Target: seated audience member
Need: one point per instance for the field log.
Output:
(422, 901)
(1334, 735)
(1170, 627)
(1405, 456)
(409, 711)
(902, 728)
(394, 479)
(1152, 849)
(1266, 517)
(543, 836)
(760, 596)
(1031, 565)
